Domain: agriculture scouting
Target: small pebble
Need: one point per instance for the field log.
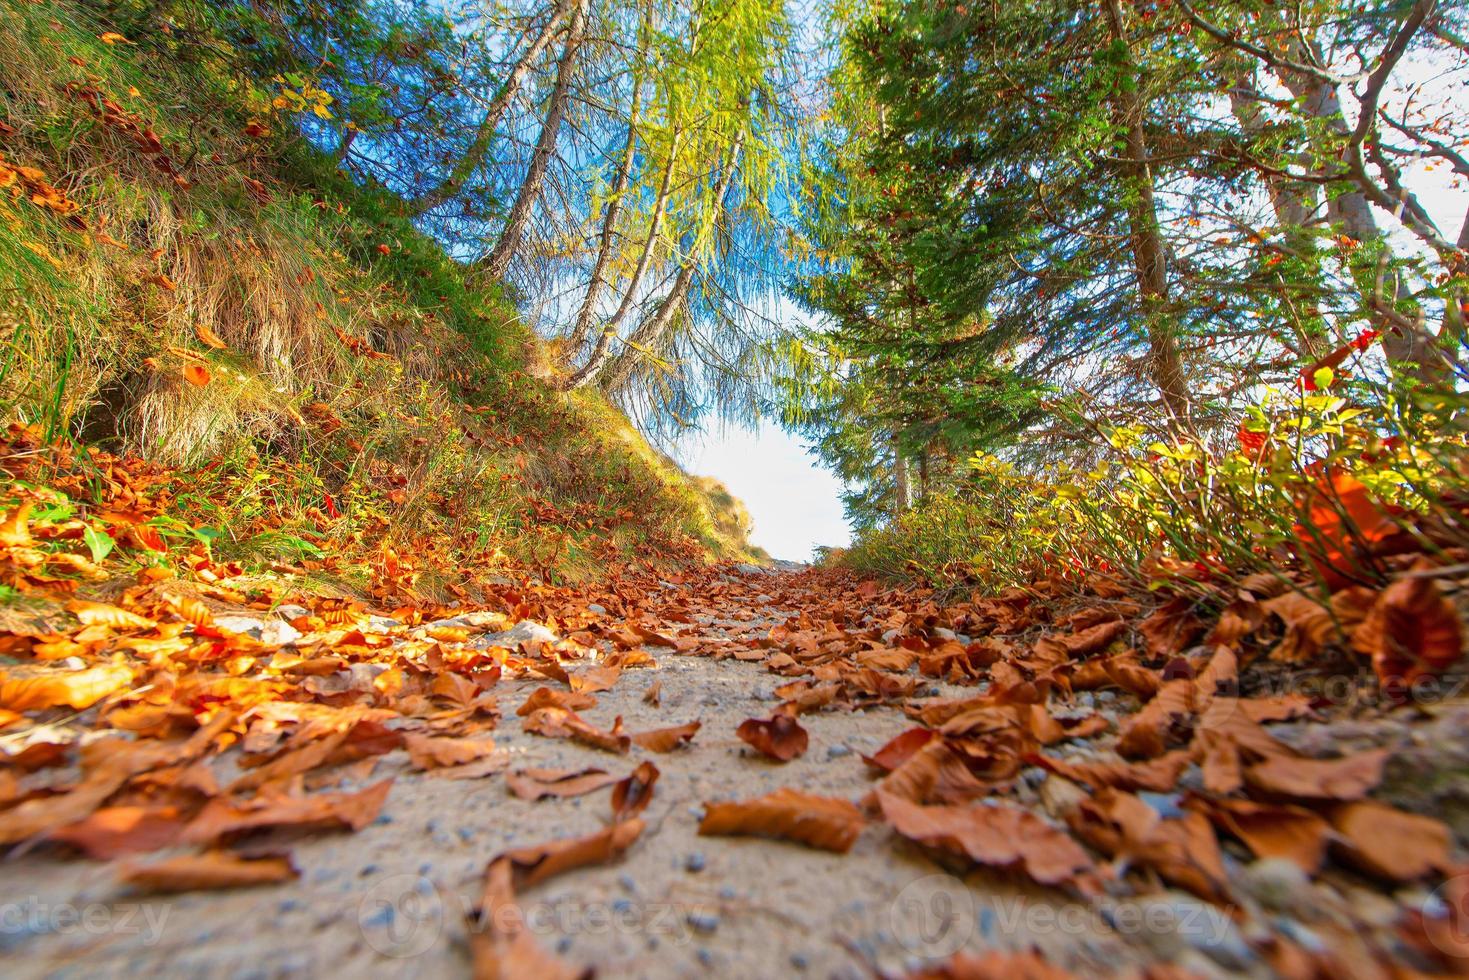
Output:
(728, 893)
(703, 922)
(837, 751)
(368, 870)
(694, 862)
(627, 883)
(706, 957)
(799, 961)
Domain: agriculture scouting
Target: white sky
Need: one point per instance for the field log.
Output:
(791, 497)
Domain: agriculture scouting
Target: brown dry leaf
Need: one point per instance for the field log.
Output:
(501, 947)
(211, 870)
(632, 795)
(118, 831)
(1411, 631)
(531, 865)
(816, 821)
(1183, 850)
(545, 697)
(780, 737)
(994, 836)
(1391, 843)
(22, 690)
(667, 739)
(557, 723)
(1148, 733)
(223, 817)
(1308, 626)
(1271, 830)
(1172, 627)
(900, 748)
(654, 694)
(103, 614)
(1348, 778)
(533, 784)
(430, 752)
(1158, 775)
(595, 679)
(937, 773)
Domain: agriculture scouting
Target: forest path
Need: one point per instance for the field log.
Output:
(392, 899)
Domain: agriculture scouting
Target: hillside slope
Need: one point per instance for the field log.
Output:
(188, 280)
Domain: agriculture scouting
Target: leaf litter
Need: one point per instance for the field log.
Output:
(1203, 754)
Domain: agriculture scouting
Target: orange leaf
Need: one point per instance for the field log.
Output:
(75, 689)
(816, 821)
(996, 836)
(196, 375)
(1411, 631)
(533, 784)
(780, 737)
(667, 739)
(632, 795)
(215, 869)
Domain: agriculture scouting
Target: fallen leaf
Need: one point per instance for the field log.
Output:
(632, 795)
(545, 697)
(531, 865)
(817, 821)
(994, 836)
(557, 723)
(667, 739)
(222, 818)
(429, 752)
(1411, 631)
(1390, 843)
(1347, 778)
(211, 870)
(23, 691)
(118, 831)
(900, 748)
(102, 614)
(1271, 830)
(780, 737)
(533, 784)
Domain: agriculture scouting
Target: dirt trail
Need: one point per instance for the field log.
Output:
(391, 899)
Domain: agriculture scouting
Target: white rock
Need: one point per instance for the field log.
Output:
(526, 631)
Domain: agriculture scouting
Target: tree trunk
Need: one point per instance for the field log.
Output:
(1149, 255)
(530, 188)
(484, 136)
(651, 331)
(901, 499)
(655, 227)
(582, 328)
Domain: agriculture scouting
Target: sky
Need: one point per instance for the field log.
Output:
(792, 499)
